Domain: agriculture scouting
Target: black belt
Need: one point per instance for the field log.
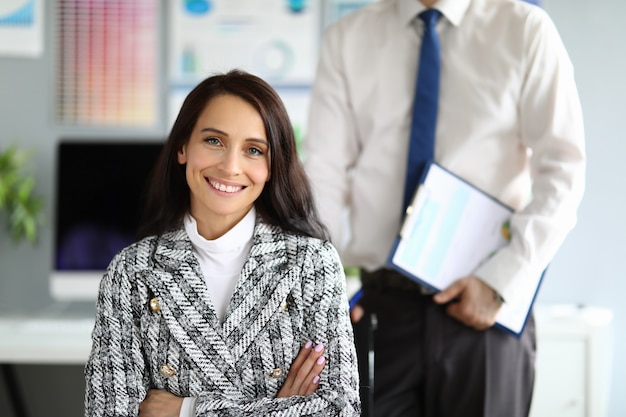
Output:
(388, 279)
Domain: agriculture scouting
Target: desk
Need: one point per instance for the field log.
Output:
(31, 340)
(39, 340)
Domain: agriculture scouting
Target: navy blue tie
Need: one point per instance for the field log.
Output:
(422, 140)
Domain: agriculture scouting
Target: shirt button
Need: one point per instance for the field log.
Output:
(167, 371)
(154, 305)
(275, 373)
(283, 306)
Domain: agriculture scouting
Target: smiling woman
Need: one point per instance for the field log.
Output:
(227, 164)
(233, 302)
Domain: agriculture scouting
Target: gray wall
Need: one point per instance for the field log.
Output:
(589, 270)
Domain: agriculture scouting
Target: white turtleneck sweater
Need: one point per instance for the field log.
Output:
(221, 259)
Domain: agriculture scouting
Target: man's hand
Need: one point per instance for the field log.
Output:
(472, 302)
(160, 403)
(303, 377)
(356, 313)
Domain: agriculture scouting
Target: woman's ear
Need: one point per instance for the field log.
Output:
(182, 158)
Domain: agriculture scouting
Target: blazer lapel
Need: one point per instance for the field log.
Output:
(186, 307)
(266, 279)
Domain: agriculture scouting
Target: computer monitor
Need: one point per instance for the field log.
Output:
(99, 189)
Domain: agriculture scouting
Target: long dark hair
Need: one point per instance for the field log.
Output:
(286, 199)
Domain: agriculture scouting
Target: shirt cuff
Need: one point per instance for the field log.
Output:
(188, 407)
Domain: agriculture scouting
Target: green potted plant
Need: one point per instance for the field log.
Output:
(19, 205)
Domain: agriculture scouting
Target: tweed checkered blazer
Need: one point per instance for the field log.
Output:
(156, 328)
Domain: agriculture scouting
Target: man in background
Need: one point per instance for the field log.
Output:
(509, 122)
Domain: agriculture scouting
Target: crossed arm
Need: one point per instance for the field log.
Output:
(302, 380)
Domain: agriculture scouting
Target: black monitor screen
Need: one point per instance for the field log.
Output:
(99, 191)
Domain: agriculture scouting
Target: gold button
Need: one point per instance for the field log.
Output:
(167, 371)
(283, 306)
(275, 373)
(154, 305)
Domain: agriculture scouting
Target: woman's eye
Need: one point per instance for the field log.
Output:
(212, 140)
(255, 151)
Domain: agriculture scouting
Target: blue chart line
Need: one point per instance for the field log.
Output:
(24, 16)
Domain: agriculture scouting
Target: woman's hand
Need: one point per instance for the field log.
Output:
(160, 403)
(303, 377)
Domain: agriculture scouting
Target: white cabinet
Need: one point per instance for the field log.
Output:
(574, 348)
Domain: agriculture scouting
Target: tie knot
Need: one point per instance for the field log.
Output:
(430, 17)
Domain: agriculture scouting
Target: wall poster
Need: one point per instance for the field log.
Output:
(21, 28)
(277, 40)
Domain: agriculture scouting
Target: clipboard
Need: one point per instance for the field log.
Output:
(450, 228)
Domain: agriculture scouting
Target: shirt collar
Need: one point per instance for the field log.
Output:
(235, 238)
(453, 10)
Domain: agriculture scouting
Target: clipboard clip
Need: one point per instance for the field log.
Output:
(420, 195)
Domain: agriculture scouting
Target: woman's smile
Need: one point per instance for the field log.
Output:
(224, 187)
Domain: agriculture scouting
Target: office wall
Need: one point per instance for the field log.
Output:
(589, 270)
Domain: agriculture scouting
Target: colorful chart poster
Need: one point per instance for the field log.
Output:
(107, 62)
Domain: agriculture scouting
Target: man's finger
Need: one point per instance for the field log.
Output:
(450, 293)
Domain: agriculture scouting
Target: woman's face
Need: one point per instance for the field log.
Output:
(227, 159)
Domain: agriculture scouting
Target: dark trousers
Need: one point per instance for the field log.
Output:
(427, 364)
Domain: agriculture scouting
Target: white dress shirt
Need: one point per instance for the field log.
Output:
(509, 122)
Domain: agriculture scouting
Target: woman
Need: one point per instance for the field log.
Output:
(233, 301)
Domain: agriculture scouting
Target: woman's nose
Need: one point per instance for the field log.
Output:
(231, 163)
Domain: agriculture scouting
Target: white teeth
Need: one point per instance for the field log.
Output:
(225, 188)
